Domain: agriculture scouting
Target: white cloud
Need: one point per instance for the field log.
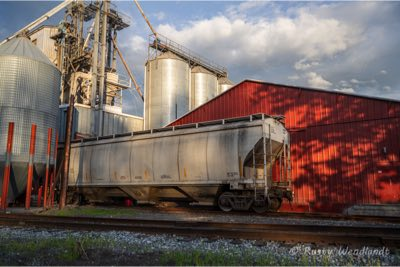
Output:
(135, 44)
(354, 81)
(235, 10)
(134, 49)
(345, 90)
(294, 77)
(248, 42)
(343, 83)
(317, 81)
(384, 72)
(304, 64)
(159, 15)
(387, 88)
(366, 82)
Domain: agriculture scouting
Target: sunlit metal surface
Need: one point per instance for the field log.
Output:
(166, 90)
(29, 88)
(204, 86)
(196, 159)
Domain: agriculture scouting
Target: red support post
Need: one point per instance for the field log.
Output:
(46, 183)
(7, 167)
(30, 168)
(53, 176)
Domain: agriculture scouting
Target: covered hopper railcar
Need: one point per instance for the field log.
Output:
(226, 162)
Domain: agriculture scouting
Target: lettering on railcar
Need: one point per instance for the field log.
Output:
(138, 178)
(232, 174)
(165, 176)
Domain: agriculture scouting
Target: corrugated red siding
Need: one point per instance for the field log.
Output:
(345, 148)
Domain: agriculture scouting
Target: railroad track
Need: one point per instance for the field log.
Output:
(297, 215)
(321, 234)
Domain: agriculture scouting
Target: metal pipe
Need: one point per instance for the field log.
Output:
(289, 167)
(137, 87)
(145, 18)
(103, 57)
(254, 173)
(38, 21)
(64, 177)
(95, 55)
(90, 31)
(271, 157)
(265, 164)
(39, 199)
(51, 194)
(53, 175)
(7, 167)
(48, 155)
(30, 167)
(280, 164)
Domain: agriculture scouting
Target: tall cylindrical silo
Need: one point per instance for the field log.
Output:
(166, 90)
(29, 90)
(224, 84)
(204, 86)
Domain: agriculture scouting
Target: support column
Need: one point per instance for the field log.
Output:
(48, 155)
(53, 175)
(102, 82)
(30, 167)
(65, 171)
(95, 54)
(7, 167)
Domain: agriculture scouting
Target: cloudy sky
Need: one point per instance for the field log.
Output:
(344, 46)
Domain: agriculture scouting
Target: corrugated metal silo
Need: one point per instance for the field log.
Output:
(204, 86)
(166, 90)
(224, 84)
(29, 89)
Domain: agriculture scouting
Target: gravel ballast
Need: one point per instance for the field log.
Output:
(31, 246)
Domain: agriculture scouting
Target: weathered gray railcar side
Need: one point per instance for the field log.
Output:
(196, 163)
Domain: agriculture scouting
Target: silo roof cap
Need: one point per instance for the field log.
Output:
(200, 69)
(23, 47)
(225, 80)
(169, 55)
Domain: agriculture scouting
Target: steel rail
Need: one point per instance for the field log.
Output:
(313, 233)
(210, 210)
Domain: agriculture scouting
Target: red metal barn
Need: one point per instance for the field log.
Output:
(345, 148)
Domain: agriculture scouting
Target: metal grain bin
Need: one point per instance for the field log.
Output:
(29, 90)
(204, 86)
(166, 90)
(224, 84)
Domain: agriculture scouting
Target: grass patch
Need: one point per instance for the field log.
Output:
(247, 258)
(64, 250)
(220, 258)
(91, 212)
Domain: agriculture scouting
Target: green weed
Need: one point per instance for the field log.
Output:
(92, 212)
(219, 258)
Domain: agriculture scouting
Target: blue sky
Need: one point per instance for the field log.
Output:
(344, 46)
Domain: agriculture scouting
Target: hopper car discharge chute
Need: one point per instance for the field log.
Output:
(237, 164)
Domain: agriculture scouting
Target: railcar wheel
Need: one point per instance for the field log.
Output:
(224, 201)
(259, 209)
(275, 204)
(260, 205)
